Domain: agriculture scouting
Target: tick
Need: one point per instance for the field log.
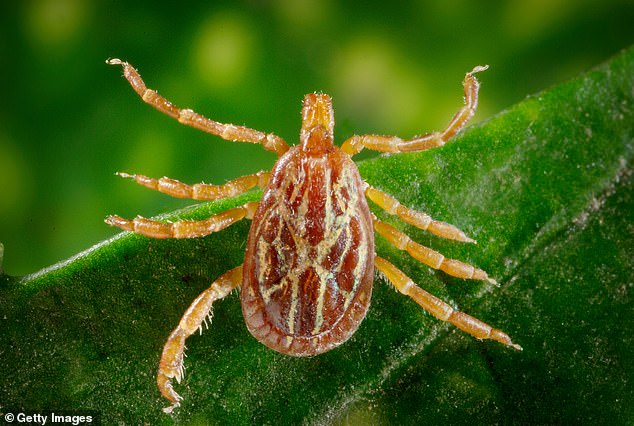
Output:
(306, 281)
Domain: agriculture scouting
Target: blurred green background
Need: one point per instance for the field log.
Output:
(68, 121)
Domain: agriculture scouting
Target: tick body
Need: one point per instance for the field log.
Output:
(309, 263)
(306, 281)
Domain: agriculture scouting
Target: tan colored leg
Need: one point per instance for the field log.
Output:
(428, 256)
(380, 143)
(184, 228)
(269, 141)
(440, 309)
(201, 191)
(171, 365)
(418, 219)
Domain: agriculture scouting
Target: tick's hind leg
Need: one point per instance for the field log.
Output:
(416, 218)
(171, 365)
(428, 256)
(188, 117)
(395, 144)
(184, 228)
(440, 309)
(201, 191)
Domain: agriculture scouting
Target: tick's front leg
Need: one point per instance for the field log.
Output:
(230, 132)
(395, 144)
(171, 365)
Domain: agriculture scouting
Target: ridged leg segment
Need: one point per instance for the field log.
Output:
(428, 256)
(184, 228)
(171, 365)
(440, 309)
(201, 191)
(416, 218)
(229, 132)
(381, 143)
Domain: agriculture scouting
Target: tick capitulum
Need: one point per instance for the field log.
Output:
(306, 280)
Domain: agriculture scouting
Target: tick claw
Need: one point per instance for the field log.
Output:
(492, 281)
(479, 68)
(470, 240)
(517, 347)
(165, 386)
(114, 220)
(168, 410)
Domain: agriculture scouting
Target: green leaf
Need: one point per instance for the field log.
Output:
(546, 188)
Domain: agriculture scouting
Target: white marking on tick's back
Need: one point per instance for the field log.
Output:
(322, 252)
(293, 307)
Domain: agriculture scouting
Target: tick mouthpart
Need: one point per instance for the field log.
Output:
(318, 123)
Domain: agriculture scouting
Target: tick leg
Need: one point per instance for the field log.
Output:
(184, 228)
(201, 191)
(440, 309)
(171, 365)
(418, 219)
(230, 132)
(380, 143)
(428, 256)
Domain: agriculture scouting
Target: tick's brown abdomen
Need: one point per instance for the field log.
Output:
(308, 266)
